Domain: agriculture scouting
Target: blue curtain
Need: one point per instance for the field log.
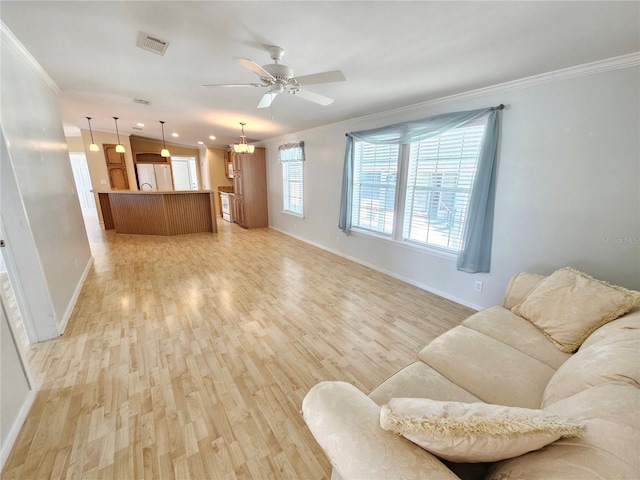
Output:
(475, 255)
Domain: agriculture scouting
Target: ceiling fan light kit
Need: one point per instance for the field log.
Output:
(280, 78)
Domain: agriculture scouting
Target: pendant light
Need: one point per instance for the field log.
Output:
(119, 147)
(93, 147)
(164, 152)
(242, 147)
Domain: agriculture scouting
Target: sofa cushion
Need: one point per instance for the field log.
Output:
(519, 287)
(608, 449)
(507, 327)
(568, 306)
(419, 380)
(473, 432)
(487, 368)
(610, 358)
(346, 424)
(613, 330)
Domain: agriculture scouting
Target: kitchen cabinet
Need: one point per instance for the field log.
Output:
(249, 203)
(116, 168)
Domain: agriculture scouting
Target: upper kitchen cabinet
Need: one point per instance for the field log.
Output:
(250, 188)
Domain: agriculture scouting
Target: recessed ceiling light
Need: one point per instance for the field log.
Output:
(174, 134)
(212, 137)
(140, 124)
(200, 143)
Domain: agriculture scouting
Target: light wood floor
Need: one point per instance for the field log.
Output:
(188, 357)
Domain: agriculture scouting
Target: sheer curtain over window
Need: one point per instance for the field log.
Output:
(291, 155)
(439, 195)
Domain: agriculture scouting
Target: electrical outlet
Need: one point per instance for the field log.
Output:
(478, 286)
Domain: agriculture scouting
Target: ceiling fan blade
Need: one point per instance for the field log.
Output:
(312, 97)
(267, 99)
(254, 67)
(234, 85)
(323, 77)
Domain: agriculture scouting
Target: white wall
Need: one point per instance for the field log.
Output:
(568, 186)
(40, 160)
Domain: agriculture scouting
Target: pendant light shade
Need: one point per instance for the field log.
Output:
(119, 147)
(164, 152)
(93, 147)
(242, 147)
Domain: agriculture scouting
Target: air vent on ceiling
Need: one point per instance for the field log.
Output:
(141, 101)
(151, 44)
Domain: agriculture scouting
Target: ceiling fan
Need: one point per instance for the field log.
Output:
(280, 78)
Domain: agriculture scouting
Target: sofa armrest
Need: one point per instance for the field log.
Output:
(519, 287)
(345, 422)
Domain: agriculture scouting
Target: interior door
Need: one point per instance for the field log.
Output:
(116, 167)
(83, 181)
(181, 174)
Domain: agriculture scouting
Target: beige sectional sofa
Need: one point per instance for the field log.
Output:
(498, 357)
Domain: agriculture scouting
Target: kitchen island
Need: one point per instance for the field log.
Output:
(158, 213)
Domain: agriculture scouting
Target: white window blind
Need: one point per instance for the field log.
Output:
(439, 180)
(292, 159)
(374, 186)
(292, 187)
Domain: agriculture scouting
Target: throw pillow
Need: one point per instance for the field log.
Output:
(569, 305)
(473, 432)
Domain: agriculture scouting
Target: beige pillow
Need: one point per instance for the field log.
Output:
(569, 305)
(473, 432)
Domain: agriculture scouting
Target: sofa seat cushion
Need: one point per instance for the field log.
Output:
(610, 358)
(569, 305)
(474, 432)
(507, 327)
(419, 380)
(608, 449)
(487, 368)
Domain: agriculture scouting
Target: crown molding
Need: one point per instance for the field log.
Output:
(600, 66)
(592, 68)
(12, 41)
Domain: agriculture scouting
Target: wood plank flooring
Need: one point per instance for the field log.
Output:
(188, 357)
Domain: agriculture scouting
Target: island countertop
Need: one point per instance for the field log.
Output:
(173, 212)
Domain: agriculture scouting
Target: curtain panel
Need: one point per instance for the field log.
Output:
(475, 254)
(291, 152)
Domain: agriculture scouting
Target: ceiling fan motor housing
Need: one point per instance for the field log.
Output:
(282, 73)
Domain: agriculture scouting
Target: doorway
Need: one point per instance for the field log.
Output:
(185, 173)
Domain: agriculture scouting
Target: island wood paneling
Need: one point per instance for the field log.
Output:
(105, 207)
(158, 213)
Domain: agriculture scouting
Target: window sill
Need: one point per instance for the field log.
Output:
(434, 251)
(293, 214)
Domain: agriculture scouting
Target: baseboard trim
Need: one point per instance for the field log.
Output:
(67, 314)
(402, 278)
(15, 428)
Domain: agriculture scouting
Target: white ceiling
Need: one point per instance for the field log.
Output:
(392, 53)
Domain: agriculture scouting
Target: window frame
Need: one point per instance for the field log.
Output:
(401, 195)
